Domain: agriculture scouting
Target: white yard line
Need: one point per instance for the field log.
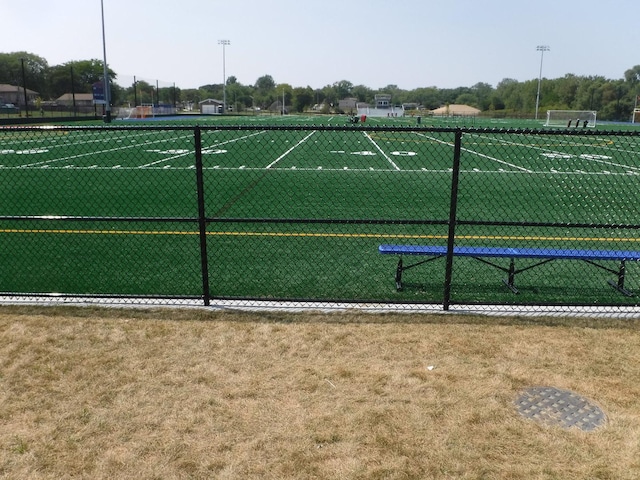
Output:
(75, 157)
(127, 147)
(482, 155)
(512, 165)
(393, 164)
(233, 140)
(164, 160)
(589, 159)
(290, 150)
(191, 152)
(88, 154)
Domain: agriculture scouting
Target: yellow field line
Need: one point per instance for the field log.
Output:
(326, 235)
(94, 232)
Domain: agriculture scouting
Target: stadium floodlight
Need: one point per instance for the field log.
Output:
(224, 43)
(541, 49)
(107, 97)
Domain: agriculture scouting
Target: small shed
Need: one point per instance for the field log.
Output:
(210, 106)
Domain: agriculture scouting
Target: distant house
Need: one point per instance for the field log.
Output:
(15, 94)
(210, 106)
(456, 110)
(81, 100)
(348, 105)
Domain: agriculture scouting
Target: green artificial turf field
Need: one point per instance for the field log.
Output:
(297, 207)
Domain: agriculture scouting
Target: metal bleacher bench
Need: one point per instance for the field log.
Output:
(546, 255)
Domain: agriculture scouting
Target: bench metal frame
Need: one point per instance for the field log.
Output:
(591, 257)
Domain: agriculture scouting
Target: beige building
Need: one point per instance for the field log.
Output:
(15, 94)
(82, 99)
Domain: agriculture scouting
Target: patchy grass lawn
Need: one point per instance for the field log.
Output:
(109, 393)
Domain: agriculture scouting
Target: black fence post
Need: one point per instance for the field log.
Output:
(202, 220)
(455, 179)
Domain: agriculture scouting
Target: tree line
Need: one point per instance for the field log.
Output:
(614, 99)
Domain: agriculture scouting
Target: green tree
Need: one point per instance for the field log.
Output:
(508, 91)
(483, 93)
(239, 95)
(35, 71)
(213, 90)
(83, 73)
(303, 98)
(145, 93)
(467, 99)
(565, 90)
(265, 84)
(190, 96)
(495, 102)
(589, 93)
(428, 97)
(616, 104)
(633, 75)
(331, 96)
(343, 89)
(362, 93)
(168, 95)
(264, 91)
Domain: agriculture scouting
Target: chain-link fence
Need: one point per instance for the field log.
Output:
(322, 214)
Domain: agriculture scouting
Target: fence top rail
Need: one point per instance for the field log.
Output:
(328, 128)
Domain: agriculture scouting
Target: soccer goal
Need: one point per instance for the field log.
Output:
(571, 118)
(122, 113)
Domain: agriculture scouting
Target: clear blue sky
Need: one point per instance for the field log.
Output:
(409, 43)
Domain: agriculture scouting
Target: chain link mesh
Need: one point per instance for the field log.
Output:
(297, 213)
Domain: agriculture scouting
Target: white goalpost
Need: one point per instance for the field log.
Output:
(571, 118)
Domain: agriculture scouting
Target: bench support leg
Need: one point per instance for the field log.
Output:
(619, 285)
(402, 267)
(399, 275)
(511, 276)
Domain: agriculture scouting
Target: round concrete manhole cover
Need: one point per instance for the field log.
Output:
(555, 407)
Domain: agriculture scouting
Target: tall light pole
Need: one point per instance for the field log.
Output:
(107, 96)
(541, 49)
(24, 89)
(224, 43)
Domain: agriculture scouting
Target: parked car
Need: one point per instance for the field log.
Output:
(9, 108)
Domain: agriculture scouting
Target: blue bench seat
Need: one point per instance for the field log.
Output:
(544, 254)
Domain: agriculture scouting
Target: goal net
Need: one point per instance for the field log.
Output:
(571, 118)
(120, 113)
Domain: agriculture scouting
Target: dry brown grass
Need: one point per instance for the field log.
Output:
(90, 393)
